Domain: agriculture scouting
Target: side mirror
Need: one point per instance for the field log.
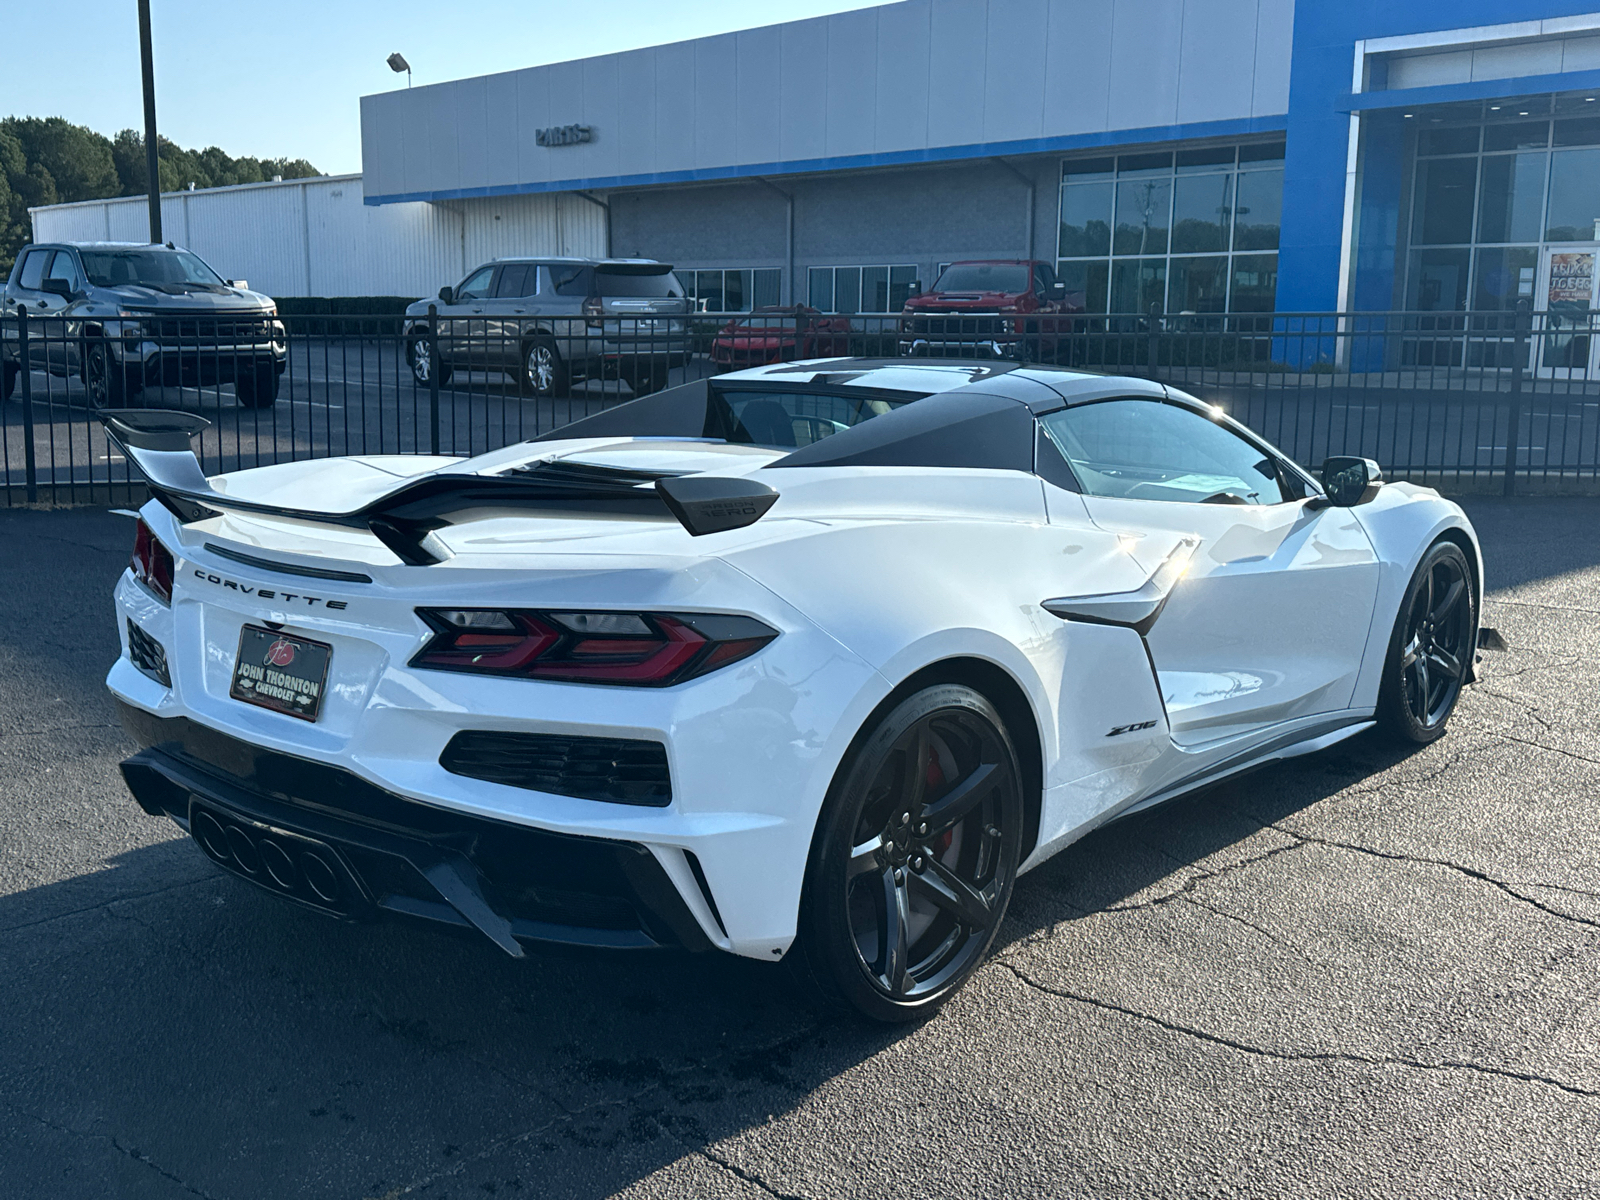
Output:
(1350, 481)
(1058, 291)
(447, 294)
(916, 287)
(57, 287)
(242, 284)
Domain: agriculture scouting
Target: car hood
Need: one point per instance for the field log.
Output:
(174, 299)
(955, 301)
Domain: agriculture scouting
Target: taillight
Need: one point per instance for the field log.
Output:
(595, 310)
(152, 563)
(632, 649)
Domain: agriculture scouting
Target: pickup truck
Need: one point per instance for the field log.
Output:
(991, 308)
(125, 314)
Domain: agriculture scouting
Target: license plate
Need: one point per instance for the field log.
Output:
(280, 671)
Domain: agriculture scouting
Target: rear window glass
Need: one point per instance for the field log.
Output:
(789, 419)
(630, 283)
(517, 279)
(983, 277)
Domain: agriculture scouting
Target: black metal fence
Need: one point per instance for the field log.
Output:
(1467, 402)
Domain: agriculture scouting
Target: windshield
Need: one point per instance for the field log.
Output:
(162, 269)
(983, 277)
(656, 284)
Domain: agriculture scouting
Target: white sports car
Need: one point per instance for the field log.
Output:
(807, 661)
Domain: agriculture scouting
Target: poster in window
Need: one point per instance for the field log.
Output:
(1571, 278)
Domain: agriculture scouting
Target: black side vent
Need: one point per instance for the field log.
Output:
(148, 655)
(620, 770)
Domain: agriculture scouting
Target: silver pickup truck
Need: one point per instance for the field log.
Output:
(549, 322)
(122, 315)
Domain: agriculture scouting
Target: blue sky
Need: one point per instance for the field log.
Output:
(283, 80)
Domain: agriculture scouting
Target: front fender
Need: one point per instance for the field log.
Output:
(1403, 521)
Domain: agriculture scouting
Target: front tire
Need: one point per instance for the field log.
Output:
(1431, 649)
(420, 358)
(109, 383)
(258, 389)
(914, 858)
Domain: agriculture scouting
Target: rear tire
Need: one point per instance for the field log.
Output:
(258, 389)
(543, 373)
(8, 380)
(914, 857)
(647, 380)
(1431, 649)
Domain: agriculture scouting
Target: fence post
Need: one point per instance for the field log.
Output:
(1155, 314)
(433, 376)
(25, 378)
(1519, 360)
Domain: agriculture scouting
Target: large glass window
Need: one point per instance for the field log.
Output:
(733, 289)
(1494, 184)
(1166, 229)
(874, 289)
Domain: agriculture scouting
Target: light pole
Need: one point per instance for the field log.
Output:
(152, 161)
(397, 62)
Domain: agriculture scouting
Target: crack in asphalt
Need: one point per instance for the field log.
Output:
(135, 1154)
(1553, 749)
(104, 904)
(570, 1114)
(1528, 706)
(1505, 886)
(1202, 875)
(1536, 604)
(1262, 930)
(1345, 1056)
(59, 729)
(747, 1176)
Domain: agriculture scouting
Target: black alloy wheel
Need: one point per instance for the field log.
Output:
(543, 374)
(1432, 647)
(419, 353)
(915, 856)
(107, 381)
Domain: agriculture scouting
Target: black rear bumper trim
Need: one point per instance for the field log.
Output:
(247, 807)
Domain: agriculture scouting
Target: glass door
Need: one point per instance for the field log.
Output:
(1568, 346)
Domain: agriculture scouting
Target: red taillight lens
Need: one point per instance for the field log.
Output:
(152, 563)
(633, 649)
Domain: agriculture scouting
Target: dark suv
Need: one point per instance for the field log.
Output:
(126, 314)
(549, 322)
(990, 308)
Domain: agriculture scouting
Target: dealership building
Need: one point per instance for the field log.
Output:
(1192, 155)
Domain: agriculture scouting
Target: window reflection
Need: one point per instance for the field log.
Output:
(1132, 228)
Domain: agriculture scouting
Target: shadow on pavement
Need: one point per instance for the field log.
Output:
(168, 1027)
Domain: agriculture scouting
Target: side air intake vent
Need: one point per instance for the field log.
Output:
(621, 770)
(148, 655)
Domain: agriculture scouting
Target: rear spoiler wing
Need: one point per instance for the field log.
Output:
(157, 442)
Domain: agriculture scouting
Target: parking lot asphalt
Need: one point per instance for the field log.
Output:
(1363, 972)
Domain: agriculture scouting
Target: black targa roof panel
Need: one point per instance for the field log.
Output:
(953, 429)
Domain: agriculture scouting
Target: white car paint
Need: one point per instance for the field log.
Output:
(1270, 647)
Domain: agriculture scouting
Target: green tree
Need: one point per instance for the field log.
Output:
(49, 160)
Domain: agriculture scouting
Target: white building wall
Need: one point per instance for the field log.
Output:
(315, 237)
(919, 79)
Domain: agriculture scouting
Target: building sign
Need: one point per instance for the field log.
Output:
(1571, 278)
(564, 135)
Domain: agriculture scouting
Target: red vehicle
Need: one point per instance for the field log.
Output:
(780, 334)
(991, 308)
